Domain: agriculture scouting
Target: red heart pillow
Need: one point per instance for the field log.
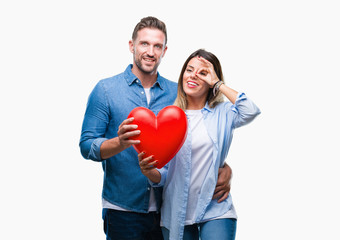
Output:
(161, 136)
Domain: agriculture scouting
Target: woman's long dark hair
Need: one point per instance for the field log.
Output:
(181, 100)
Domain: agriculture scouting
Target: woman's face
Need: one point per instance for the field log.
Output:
(192, 85)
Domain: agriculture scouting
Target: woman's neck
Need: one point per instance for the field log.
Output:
(195, 104)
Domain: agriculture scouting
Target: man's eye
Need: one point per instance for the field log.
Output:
(189, 70)
(203, 73)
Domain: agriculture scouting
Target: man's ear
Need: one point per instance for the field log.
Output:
(164, 51)
(131, 46)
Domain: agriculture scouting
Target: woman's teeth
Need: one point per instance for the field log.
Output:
(192, 84)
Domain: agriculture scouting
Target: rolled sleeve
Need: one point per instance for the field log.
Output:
(95, 124)
(245, 109)
(163, 171)
(94, 153)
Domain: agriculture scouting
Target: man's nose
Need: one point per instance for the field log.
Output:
(151, 51)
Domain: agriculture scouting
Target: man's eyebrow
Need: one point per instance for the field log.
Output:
(190, 66)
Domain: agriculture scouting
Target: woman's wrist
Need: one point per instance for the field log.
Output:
(216, 87)
(214, 83)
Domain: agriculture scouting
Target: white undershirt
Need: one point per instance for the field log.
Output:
(201, 159)
(152, 202)
(147, 94)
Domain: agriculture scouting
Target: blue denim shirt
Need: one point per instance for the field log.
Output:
(108, 105)
(220, 123)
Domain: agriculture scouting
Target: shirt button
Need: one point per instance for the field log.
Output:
(148, 189)
(142, 92)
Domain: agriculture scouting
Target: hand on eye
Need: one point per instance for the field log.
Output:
(207, 73)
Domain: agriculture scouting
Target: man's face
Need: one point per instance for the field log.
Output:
(148, 49)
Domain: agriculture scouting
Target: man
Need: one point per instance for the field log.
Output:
(130, 205)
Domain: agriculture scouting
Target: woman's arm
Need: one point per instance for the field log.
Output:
(230, 93)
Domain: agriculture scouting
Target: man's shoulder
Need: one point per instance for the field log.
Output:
(115, 80)
(169, 83)
(172, 83)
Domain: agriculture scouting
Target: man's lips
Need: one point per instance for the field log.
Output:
(149, 60)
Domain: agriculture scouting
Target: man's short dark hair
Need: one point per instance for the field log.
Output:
(150, 22)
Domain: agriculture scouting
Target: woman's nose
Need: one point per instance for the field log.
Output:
(193, 75)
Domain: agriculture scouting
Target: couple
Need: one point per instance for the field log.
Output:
(196, 182)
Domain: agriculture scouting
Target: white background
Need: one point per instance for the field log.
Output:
(284, 54)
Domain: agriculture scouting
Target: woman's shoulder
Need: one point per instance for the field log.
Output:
(223, 106)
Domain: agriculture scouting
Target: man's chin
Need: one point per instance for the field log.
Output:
(148, 69)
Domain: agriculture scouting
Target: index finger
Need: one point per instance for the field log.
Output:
(127, 121)
(205, 61)
(203, 69)
(140, 156)
(223, 197)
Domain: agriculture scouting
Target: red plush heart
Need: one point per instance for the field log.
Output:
(160, 136)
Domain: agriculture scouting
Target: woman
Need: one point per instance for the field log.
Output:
(188, 210)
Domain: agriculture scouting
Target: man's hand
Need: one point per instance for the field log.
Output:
(127, 130)
(223, 183)
(117, 144)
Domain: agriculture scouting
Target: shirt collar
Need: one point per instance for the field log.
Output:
(207, 108)
(131, 78)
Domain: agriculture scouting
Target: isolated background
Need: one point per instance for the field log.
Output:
(283, 54)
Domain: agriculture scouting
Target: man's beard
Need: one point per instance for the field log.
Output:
(140, 66)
